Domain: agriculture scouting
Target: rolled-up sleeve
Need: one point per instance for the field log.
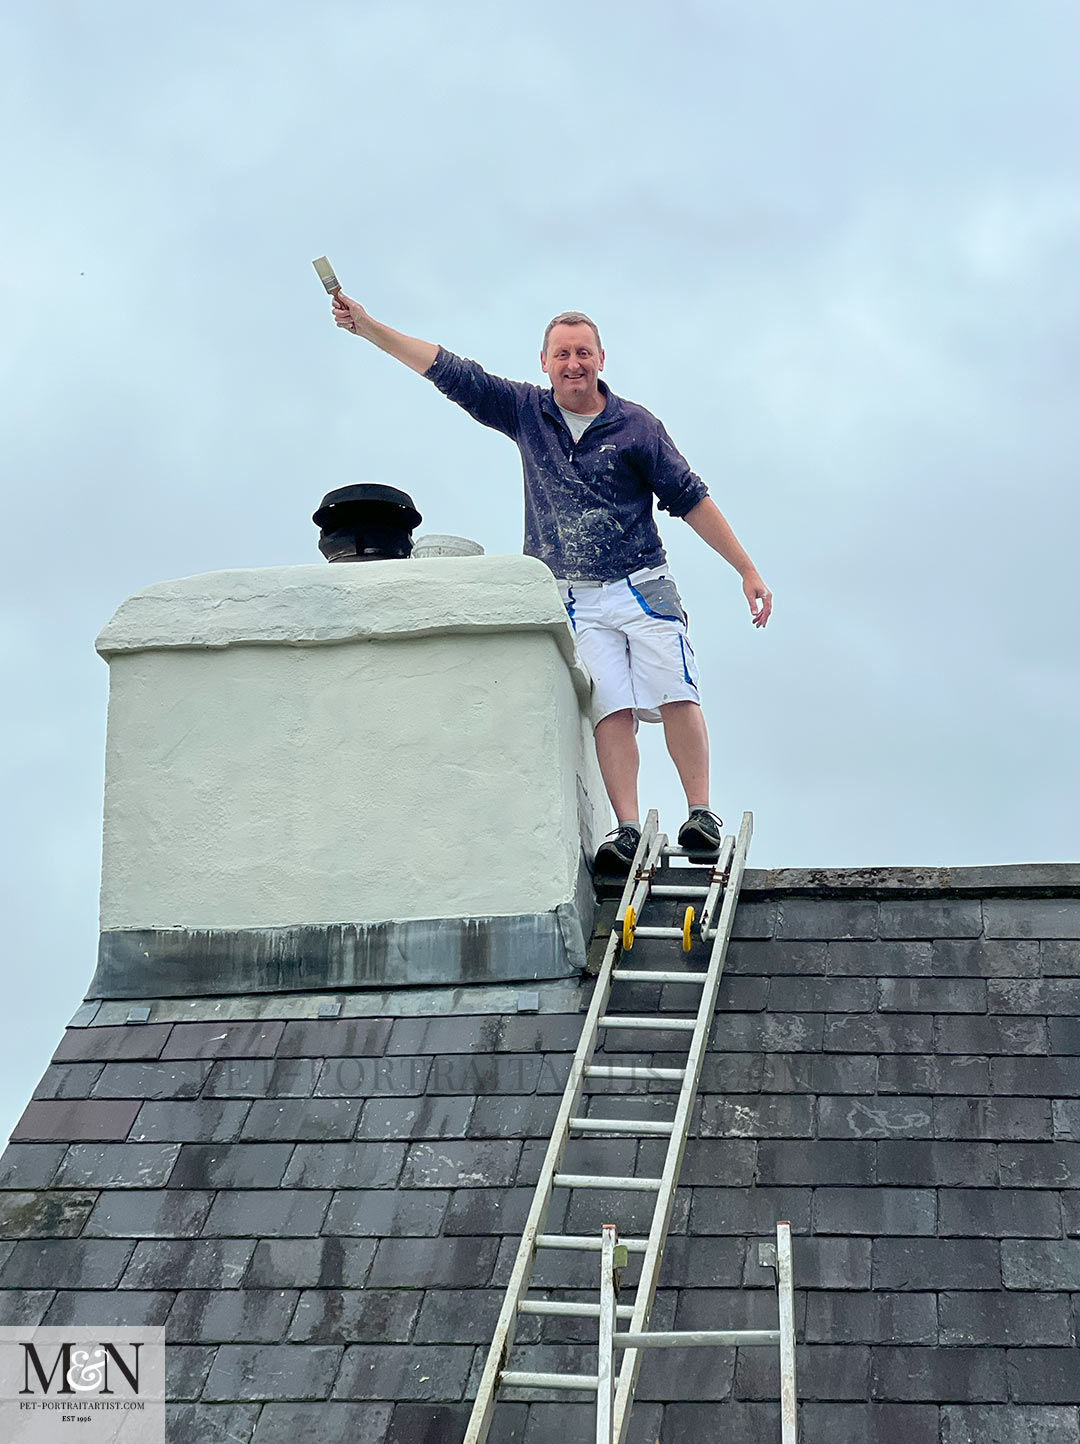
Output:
(678, 489)
(491, 400)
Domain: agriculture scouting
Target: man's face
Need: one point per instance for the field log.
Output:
(573, 361)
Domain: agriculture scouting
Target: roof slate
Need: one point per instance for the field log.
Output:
(323, 1212)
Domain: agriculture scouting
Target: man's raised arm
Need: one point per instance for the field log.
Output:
(351, 316)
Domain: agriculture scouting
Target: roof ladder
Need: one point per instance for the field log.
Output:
(717, 889)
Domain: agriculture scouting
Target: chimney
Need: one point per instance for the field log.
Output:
(346, 776)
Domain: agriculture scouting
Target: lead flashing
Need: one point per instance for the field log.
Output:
(182, 962)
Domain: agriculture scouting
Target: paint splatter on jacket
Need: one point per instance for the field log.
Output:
(588, 504)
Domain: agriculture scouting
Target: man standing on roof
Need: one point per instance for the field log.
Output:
(593, 464)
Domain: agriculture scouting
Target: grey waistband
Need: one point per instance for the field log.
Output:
(641, 575)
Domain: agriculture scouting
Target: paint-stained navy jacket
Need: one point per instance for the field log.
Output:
(589, 504)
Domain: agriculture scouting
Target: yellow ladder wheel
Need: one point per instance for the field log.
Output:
(687, 924)
(628, 928)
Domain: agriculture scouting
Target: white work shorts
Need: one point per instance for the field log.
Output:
(631, 634)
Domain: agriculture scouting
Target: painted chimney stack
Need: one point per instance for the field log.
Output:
(346, 776)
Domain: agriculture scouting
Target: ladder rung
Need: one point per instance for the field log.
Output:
(621, 1125)
(706, 1338)
(559, 1308)
(522, 1379)
(642, 975)
(701, 859)
(619, 1070)
(600, 1180)
(586, 1242)
(640, 932)
(659, 1024)
(663, 889)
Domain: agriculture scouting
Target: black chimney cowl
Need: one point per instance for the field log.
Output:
(366, 523)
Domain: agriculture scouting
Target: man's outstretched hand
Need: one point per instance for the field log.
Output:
(351, 316)
(759, 597)
(348, 314)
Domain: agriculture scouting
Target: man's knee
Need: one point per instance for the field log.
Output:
(616, 720)
(672, 709)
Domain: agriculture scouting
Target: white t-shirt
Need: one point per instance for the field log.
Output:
(577, 423)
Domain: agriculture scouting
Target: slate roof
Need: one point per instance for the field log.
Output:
(322, 1211)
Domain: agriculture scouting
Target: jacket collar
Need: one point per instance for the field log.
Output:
(612, 406)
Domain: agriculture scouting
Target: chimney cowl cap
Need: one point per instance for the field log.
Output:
(367, 493)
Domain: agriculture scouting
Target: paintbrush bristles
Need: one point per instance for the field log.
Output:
(325, 272)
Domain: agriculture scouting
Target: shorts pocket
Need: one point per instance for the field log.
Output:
(659, 597)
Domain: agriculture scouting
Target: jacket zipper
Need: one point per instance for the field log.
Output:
(591, 427)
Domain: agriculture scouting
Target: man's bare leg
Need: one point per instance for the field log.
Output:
(688, 743)
(617, 753)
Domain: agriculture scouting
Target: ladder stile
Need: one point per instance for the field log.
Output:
(716, 885)
(786, 1296)
(605, 1355)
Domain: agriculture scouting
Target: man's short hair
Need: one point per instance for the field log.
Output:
(571, 318)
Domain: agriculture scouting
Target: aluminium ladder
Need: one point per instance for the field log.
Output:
(719, 896)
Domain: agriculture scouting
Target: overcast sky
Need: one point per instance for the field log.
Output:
(833, 246)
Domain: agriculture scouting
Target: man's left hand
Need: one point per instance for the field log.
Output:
(759, 597)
